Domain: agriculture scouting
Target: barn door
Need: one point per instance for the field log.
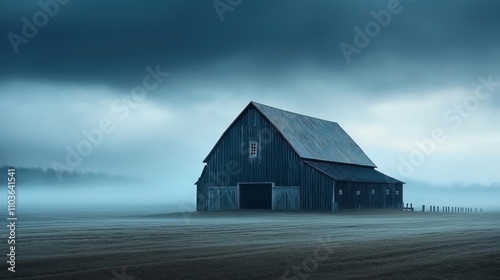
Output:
(222, 198)
(286, 198)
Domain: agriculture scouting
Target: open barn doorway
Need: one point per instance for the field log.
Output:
(256, 196)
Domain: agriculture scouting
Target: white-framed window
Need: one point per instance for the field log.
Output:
(252, 149)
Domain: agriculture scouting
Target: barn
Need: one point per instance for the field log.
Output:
(273, 159)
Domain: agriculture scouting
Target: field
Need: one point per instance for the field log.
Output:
(258, 245)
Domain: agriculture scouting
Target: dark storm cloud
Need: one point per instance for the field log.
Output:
(428, 43)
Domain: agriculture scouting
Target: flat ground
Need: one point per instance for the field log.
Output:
(259, 245)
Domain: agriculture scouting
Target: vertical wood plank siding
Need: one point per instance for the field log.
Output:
(380, 199)
(317, 190)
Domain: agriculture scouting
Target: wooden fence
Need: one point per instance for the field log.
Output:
(451, 209)
(443, 209)
(408, 207)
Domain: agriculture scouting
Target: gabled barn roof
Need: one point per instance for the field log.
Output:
(352, 173)
(314, 138)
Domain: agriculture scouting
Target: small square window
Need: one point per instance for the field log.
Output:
(253, 149)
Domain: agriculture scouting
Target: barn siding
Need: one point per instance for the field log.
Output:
(202, 191)
(316, 189)
(350, 200)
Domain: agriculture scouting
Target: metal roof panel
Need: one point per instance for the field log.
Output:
(352, 173)
(314, 138)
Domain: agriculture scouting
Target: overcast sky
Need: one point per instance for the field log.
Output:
(417, 67)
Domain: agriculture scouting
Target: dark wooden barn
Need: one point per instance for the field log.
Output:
(274, 159)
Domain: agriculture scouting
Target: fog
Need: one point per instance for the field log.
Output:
(485, 197)
(158, 198)
(124, 199)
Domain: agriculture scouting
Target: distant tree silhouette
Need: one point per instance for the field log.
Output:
(47, 177)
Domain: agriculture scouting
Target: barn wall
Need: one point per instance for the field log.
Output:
(380, 199)
(229, 162)
(317, 189)
(202, 191)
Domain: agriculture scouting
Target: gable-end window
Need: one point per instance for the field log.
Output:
(253, 149)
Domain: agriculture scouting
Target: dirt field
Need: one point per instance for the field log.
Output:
(259, 245)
